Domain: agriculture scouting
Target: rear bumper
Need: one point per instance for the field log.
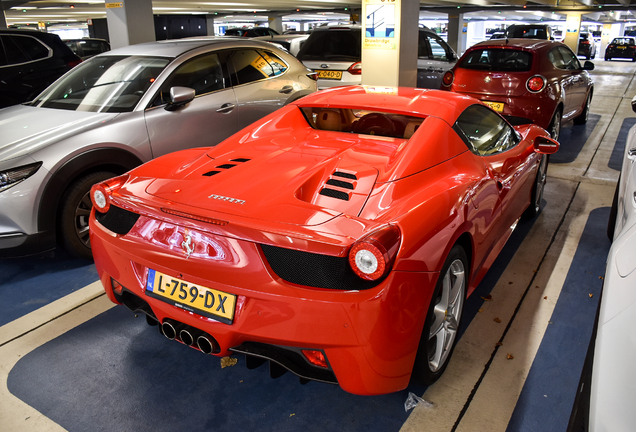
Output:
(369, 337)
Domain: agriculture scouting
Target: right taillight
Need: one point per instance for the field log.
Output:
(535, 84)
(372, 256)
(448, 77)
(101, 192)
(355, 69)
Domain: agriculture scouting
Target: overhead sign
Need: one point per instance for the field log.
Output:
(114, 5)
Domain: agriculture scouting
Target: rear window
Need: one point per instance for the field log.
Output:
(498, 59)
(528, 32)
(362, 121)
(334, 45)
(623, 41)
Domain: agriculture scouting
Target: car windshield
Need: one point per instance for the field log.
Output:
(493, 59)
(333, 45)
(362, 121)
(104, 84)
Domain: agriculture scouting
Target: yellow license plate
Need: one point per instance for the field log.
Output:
(329, 74)
(191, 297)
(497, 106)
(621, 47)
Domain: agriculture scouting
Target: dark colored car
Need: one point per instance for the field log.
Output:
(587, 47)
(251, 32)
(527, 80)
(621, 47)
(87, 48)
(29, 62)
(529, 31)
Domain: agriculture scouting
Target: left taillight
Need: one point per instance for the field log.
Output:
(355, 69)
(372, 256)
(448, 78)
(101, 192)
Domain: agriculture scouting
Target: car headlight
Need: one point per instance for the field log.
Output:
(13, 176)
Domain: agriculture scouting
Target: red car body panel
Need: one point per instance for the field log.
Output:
(566, 90)
(436, 191)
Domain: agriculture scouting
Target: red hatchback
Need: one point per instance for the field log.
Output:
(526, 80)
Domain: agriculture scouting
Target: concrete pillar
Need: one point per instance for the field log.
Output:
(572, 29)
(276, 23)
(3, 20)
(606, 38)
(209, 22)
(457, 32)
(130, 22)
(389, 43)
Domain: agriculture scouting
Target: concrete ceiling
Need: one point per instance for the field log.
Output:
(78, 11)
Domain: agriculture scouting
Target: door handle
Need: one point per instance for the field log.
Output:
(226, 108)
(286, 89)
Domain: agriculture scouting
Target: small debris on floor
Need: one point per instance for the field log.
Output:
(591, 295)
(488, 297)
(510, 356)
(497, 320)
(228, 361)
(412, 401)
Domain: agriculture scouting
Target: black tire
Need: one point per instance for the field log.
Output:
(75, 209)
(582, 118)
(538, 188)
(430, 361)
(607, 58)
(555, 125)
(611, 223)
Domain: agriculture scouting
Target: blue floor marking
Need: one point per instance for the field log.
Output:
(557, 367)
(572, 139)
(616, 159)
(116, 373)
(27, 284)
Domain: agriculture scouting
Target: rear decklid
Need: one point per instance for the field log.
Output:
(494, 71)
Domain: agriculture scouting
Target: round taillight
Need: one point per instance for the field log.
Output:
(99, 198)
(447, 79)
(535, 84)
(355, 69)
(372, 256)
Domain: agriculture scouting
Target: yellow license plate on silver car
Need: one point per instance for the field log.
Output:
(497, 106)
(329, 74)
(191, 297)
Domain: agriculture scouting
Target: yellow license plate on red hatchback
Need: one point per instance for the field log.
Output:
(497, 106)
(329, 74)
(191, 297)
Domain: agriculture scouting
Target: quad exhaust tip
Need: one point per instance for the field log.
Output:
(190, 336)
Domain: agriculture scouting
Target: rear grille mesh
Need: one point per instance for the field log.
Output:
(117, 219)
(314, 270)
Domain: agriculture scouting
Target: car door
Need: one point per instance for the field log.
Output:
(260, 83)
(434, 58)
(579, 79)
(207, 120)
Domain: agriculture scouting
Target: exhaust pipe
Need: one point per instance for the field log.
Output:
(170, 329)
(207, 345)
(186, 336)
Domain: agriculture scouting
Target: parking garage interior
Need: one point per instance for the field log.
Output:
(71, 360)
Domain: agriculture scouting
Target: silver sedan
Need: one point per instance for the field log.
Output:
(120, 109)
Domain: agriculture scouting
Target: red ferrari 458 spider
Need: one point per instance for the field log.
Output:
(337, 237)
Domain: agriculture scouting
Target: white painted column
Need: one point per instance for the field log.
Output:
(457, 32)
(389, 42)
(606, 38)
(130, 22)
(276, 23)
(572, 29)
(209, 22)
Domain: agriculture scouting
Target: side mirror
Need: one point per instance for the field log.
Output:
(545, 145)
(180, 96)
(634, 104)
(588, 65)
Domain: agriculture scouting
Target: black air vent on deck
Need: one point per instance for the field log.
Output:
(239, 160)
(345, 175)
(335, 194)
(226, 166)
(211, 173)
(339, 183)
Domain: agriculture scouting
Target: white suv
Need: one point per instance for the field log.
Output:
(335, 53)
